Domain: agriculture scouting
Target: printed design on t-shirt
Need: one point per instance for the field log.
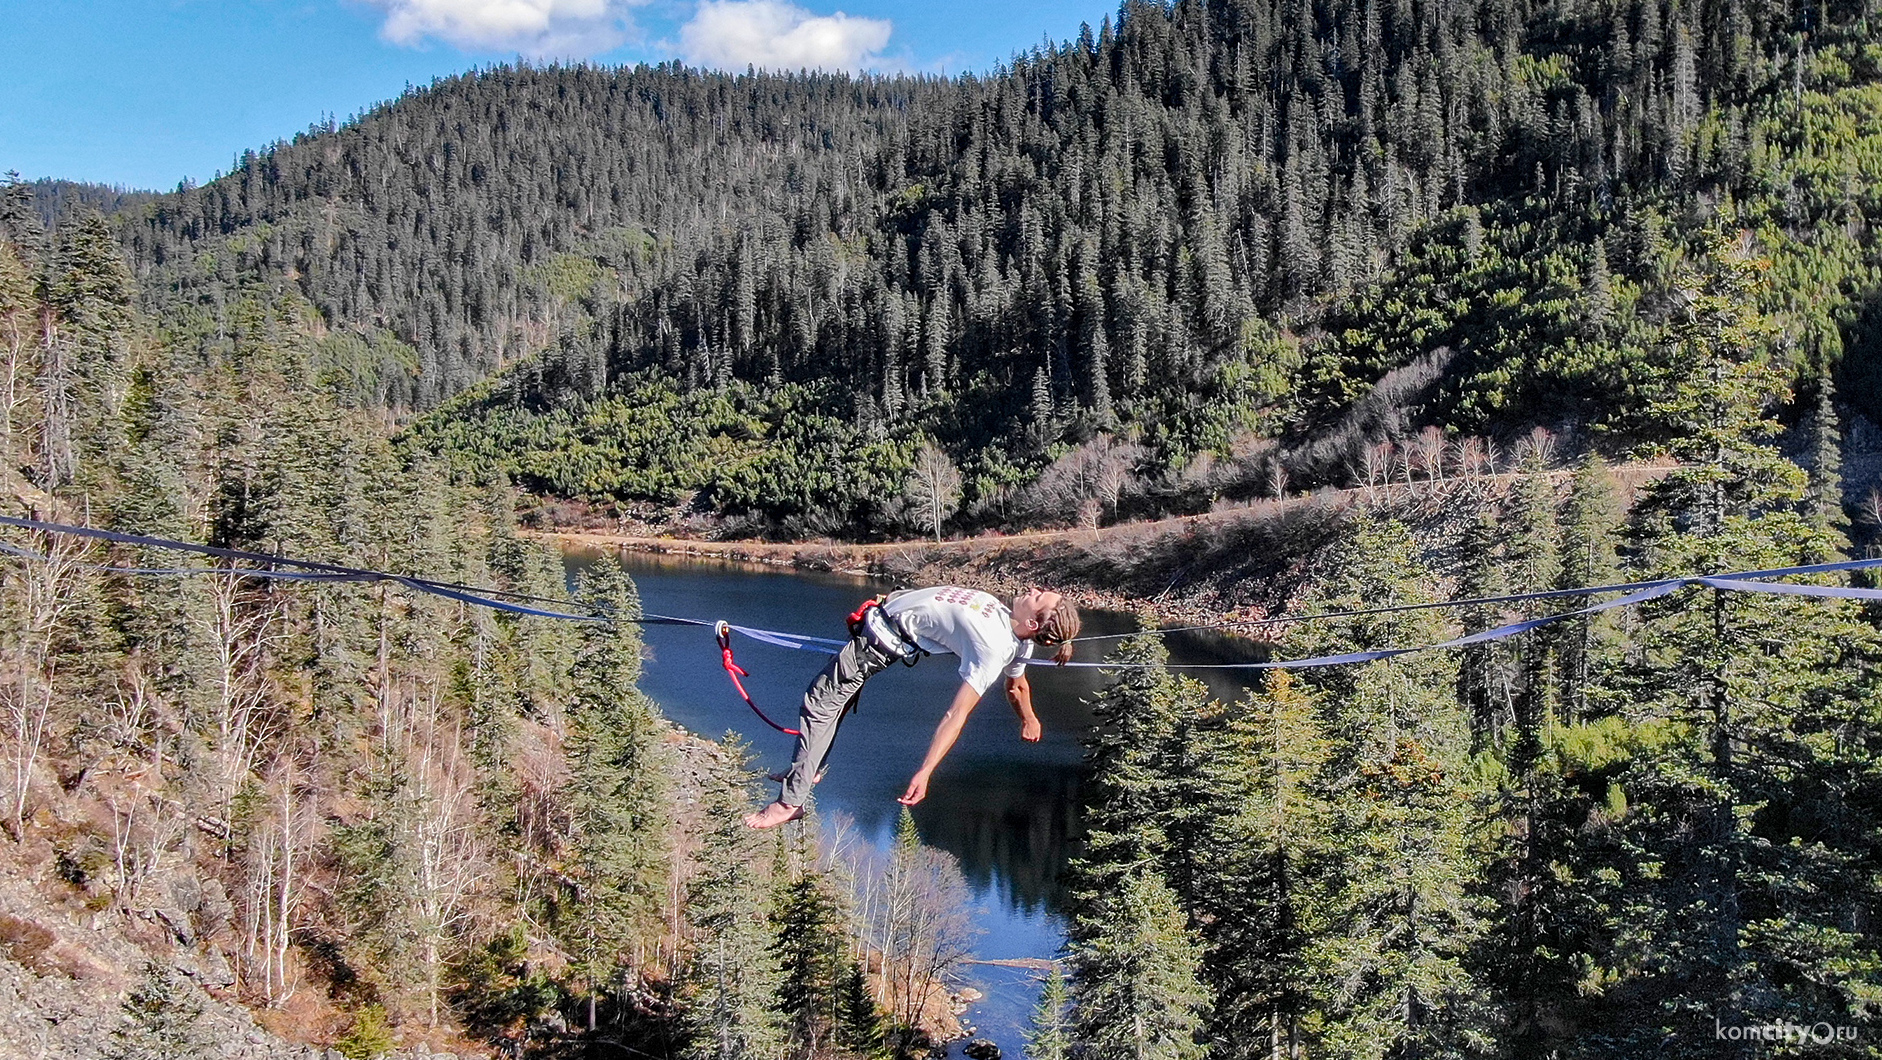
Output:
(972, 599)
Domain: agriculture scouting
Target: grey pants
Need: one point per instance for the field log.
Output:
(827, 699)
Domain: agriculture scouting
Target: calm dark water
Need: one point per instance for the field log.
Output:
(1009, 810)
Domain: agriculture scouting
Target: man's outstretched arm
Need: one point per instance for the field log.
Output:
(1019, 693)
(944, 736)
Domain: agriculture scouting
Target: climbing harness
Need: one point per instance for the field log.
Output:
(723, 630)
(885, 632)
(869, 621)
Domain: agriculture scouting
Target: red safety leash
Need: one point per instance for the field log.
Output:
(734, 671)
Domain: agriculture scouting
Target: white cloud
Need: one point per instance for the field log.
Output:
(777, 35)
(541, 29)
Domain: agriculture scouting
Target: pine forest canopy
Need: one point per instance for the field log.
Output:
(1200, 224)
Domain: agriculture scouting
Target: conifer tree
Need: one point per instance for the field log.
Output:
(1391, 912)
(859, 1020)
(20, 224)
(1257, 856)
(162, 1019)
(1050, 1037)
(811, 948)
(1201, 774)
(1585, 645)
(1136, 994)
(731, 980)
(1599, 285)
(1712, 841)
(618, 789)
(1825, 501)
(1128, 810)
(88, 295)
(1485, 674)
(1532, 549)
(19, 306)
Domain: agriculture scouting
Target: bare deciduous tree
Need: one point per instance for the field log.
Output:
(934, 488)
(1492, 457)
(1539, 443)
(1469, 457)
(913, 906)
(1427, 451)
(1378, 470)
(449, 861)
(145, 825)
(1403, 465)
(1872, 515)
(1099, 470)
(239, 632)
(281, 834)
(39, 594)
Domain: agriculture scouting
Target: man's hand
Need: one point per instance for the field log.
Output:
(944, 736)
(1019, 694)
(917, 790)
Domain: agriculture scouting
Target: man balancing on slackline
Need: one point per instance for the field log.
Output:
(989, 637)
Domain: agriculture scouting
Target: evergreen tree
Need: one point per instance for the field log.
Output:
(162, 1019)
(1712, 841)
(19, 306)
(20, 222)
(859, 1020)
(1586, 645)
(1050, 1037)
(88, 298)
(1388, 909)
(1257, 856)
(811, 949)
(1485, 673)
(1532, 549)
(732, 981)
(498, 991)
(1136, 994)
(618, 789)
(1825, 499)
(1128, 811)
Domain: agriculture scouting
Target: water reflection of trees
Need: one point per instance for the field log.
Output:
(1013, 830)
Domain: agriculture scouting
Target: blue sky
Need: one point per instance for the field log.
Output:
(145, 94)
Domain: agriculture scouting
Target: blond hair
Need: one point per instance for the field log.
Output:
(1060, 628)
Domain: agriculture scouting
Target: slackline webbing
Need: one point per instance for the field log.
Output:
(1633, 593)
(1481, 601)
(305, 570)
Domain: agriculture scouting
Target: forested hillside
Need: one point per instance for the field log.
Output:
(441, 230)
(1195, 230)
(1644, 832)
(372, 816)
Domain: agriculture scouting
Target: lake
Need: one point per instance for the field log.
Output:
(1009, 810)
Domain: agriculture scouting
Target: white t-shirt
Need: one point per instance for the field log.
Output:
(967, 622)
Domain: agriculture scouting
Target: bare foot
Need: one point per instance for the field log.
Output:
(773, 815)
